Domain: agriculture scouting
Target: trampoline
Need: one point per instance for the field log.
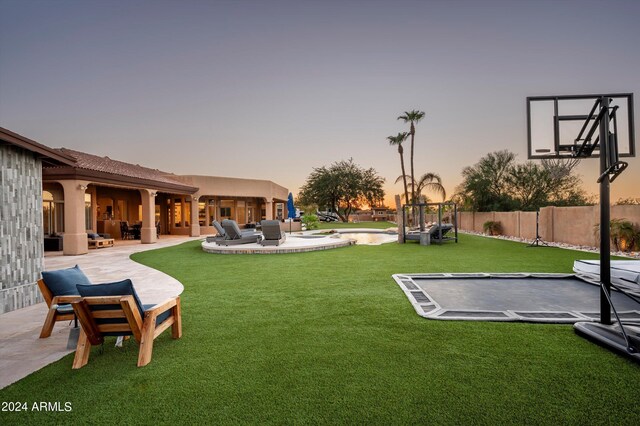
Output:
(546, 298)
(624, 273)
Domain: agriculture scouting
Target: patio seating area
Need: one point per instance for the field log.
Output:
(23, 352)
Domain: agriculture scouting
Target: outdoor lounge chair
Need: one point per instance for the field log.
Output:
(434, 231)
(234, 236)
(222, 233)
(272, 235)
(114, 309)
(59, 289)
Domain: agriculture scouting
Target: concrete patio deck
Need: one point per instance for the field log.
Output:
(22, 351)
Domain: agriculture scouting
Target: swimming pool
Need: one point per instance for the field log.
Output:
(369, 238)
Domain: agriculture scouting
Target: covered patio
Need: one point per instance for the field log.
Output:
(98, 195)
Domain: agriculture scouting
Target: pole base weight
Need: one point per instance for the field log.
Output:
(611, 337)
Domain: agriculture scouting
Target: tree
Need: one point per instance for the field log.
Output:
(397, 141)
(343, 187)
(497, 183)
(484, 186)
(429, 181)
(530, 185)
(412, 117)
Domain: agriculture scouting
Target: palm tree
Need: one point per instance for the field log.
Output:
(412, 117)
(429, 181)
(397, 140)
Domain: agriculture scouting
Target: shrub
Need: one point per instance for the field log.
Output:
(310, 221)
(625, 236)
(492, 227)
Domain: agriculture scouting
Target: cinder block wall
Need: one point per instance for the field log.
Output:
(21, 239)
(571, 225)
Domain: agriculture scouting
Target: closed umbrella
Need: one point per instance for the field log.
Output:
(291, 210)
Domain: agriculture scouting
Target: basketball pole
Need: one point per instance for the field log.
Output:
(605, 216)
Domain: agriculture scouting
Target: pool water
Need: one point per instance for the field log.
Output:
(369, 238)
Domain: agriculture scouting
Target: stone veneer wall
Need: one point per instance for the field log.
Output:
(21, 238)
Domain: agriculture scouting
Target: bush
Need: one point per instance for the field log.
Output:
(310, 221)
(625, 236)
(492, 228)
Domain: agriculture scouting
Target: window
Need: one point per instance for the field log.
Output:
(211, 211)
(187, 213)
(240, 212)
(88, 217)
(226, 209)
(250, 213)
(177, 212)
(157, 214)
(202, 213)
(52, 212)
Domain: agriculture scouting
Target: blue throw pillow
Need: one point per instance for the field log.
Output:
(120, 288)
(63, 282)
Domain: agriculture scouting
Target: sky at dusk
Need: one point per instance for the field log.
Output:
(271, 89)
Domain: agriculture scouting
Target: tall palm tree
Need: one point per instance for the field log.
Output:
(429, 181)
(412, 117)
(397, 141)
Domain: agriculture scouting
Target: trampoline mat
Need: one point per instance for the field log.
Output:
(552, 298)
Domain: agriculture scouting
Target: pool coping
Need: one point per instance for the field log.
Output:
(313, 244)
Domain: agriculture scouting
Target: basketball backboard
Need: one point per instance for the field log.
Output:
(559, 126)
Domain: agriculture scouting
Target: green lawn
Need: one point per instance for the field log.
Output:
(328, 337)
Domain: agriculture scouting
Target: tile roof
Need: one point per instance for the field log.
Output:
(115, 167)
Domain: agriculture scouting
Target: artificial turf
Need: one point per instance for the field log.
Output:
(328, 337)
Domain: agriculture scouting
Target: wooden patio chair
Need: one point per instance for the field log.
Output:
(115, 310)
(59, 289)
(59, 309)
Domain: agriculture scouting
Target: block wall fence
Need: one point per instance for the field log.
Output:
(571, 225)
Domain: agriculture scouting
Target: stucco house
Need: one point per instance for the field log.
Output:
(63, 193)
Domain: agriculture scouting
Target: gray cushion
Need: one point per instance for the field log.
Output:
(63, 282)
(64, 309)
(160, 318)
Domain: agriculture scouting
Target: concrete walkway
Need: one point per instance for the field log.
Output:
(21, 350)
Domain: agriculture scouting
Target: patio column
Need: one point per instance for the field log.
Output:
(148, 233)
(75, 230)
(195, 219)
(269, 209)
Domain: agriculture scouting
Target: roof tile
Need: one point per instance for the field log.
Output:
(107, 165)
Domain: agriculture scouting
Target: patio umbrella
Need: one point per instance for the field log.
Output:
(291, 214)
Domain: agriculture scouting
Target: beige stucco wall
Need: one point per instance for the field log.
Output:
(235, 187)
(527, 225)
(575, 225)
(572, 225)
(509, 221)
(480, 218)
(465, 220)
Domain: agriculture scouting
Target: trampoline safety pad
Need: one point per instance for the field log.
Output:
(527, 297)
